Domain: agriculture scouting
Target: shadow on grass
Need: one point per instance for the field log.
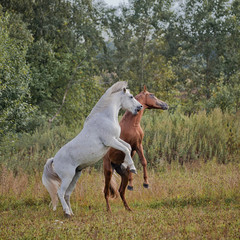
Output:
(194, 202)
(12, 203)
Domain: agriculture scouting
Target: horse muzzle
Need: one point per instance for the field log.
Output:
(138, 108)
(162, 105)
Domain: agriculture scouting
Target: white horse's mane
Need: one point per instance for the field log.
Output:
(106, 98)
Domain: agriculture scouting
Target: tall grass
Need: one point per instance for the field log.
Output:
(176, 137)
(30, 151)
(168, 137)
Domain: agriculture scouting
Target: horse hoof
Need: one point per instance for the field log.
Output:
(130, 188)
(128, 209)
(67, 215)
(133, 171)
(145, 185)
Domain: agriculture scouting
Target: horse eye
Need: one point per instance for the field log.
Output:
(131, 96)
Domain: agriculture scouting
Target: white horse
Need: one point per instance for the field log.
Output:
(101, 131)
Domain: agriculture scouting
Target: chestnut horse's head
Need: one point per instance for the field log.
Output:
(149, 101)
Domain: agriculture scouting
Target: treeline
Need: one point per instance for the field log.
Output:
(57, 57)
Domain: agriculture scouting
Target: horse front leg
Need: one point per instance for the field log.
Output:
(125, 144)
(128, 162)
(130, 176)
(144, 164)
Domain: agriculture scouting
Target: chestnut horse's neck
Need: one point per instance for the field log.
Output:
(134, 120)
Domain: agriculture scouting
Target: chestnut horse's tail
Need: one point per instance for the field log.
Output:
(51, 181)
(113, 187)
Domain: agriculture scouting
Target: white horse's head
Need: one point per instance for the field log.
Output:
(128, 102)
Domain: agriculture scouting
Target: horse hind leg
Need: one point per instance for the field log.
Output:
(108, 175)
(71, 188)
(67, 178)
(122, 189)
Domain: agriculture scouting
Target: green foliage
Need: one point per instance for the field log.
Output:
(81, 100)
(16, 111)
(66, 39)
(135, 53)
(203, 44)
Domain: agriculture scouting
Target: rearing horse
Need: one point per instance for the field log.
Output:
(132, 133)
(101, 131)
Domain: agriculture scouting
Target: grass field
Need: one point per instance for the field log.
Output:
(197, 201)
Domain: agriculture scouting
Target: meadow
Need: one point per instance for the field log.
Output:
(194, 175)
(196, 201)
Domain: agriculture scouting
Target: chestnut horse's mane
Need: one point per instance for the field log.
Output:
(106, 98)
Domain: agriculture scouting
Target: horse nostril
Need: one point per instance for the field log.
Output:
(139, 108)
(166, 107)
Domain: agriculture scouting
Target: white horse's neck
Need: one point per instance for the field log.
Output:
(112, 110)
(109, 107)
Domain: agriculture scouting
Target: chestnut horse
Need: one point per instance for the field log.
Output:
(132, 133)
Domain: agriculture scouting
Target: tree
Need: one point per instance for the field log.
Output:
(134, 33)
(67, 39)
(198, 45)
(16, 111)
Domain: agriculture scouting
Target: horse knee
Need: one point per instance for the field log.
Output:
(128, 159)
(144, 164)
(129, 147)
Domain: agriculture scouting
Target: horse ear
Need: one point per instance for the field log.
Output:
(124, 90)
(144, 88)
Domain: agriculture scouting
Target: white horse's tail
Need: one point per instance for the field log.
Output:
(113, 187)
(51, 181)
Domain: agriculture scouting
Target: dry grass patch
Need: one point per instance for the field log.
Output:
(200, 201)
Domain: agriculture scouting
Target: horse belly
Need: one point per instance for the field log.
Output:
(95, 153)
(86, 153)
(82, 151)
